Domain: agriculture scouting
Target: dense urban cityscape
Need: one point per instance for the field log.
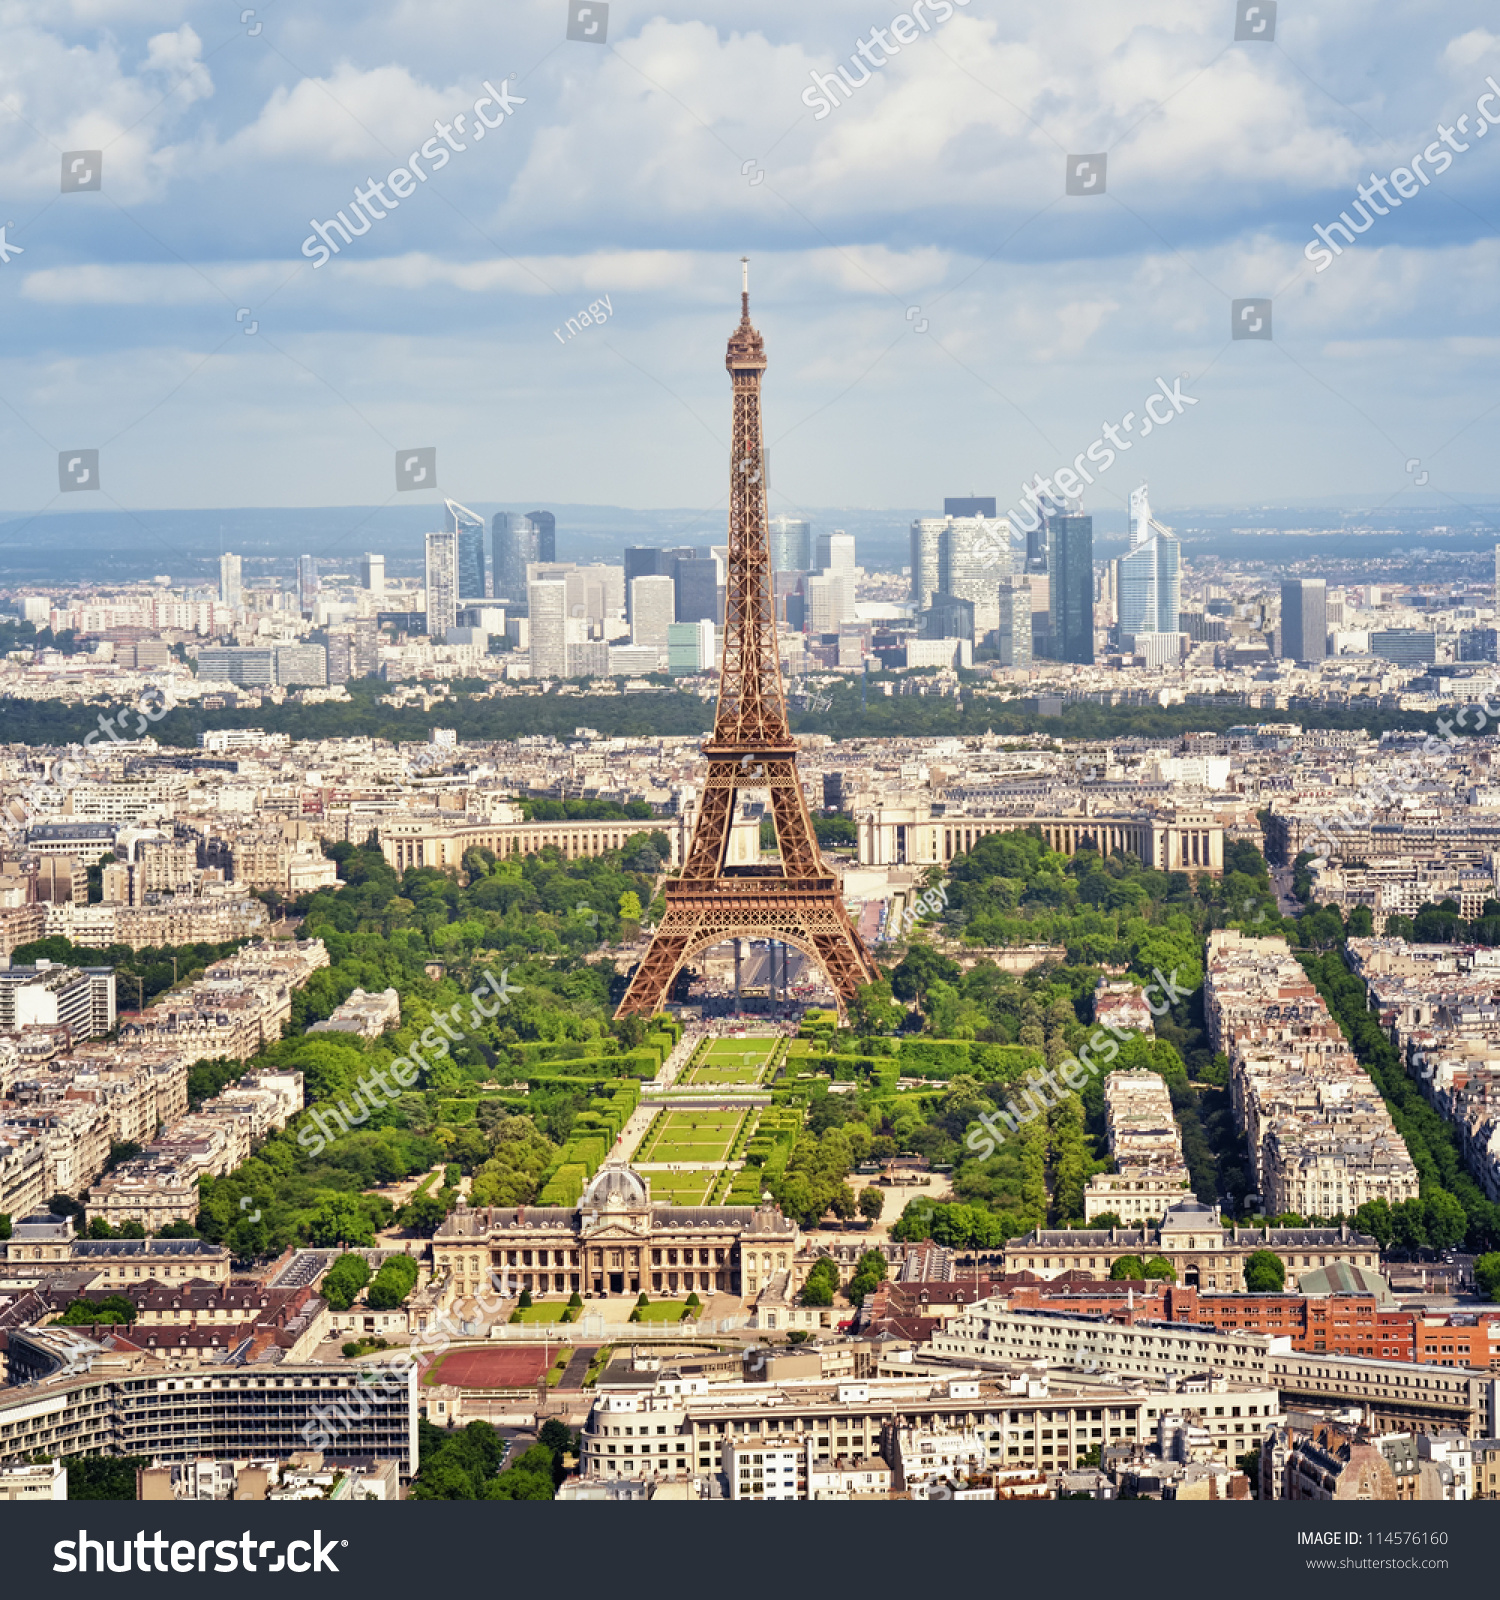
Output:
(1149, 1147)
(792, 999)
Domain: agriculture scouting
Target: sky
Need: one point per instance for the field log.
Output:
(941, 317)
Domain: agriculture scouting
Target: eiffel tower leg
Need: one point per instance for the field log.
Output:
(652, 982)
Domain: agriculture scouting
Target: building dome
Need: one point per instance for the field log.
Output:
(615, 1186)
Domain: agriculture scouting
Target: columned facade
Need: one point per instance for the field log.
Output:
(616, 1242)
(442, 844)
(1170, 841)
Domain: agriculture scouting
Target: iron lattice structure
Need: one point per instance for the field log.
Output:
(752, 748)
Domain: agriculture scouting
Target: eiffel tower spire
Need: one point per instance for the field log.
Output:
(751, 749)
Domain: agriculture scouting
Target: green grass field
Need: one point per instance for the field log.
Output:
(698, 1138)
(734, 1048)
(662, 1311)
(542, 1311)
(683, 1188)
(731, 1062)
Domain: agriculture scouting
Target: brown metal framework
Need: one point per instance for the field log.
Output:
(752, 748)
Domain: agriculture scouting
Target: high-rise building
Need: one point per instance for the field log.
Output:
(546, 534)
(301, 664)
(353, 650)
(791, 544)
(1038, 539)
(442, 584)
(1149, 575)
(1304, 619)
(516, 542)
(970, 506)
(1070, 586)
(948, 617)
(307, 584)
(652, 609)
(1140, 516)
(231, 589)
(827, 600)
(1497, 578)
(1407, 647)
(1013, 636)
(547, 604)
(690, 648)
(643, 561)
(695, 585)
(250, 666)
(372, 572)
(835, 552)
(926, 540)
(1109, 593)
(1150, 587)
(468, 526)
(973, 558)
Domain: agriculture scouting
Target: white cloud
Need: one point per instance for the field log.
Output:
(351, 114)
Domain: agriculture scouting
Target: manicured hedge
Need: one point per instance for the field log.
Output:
(565, 1186)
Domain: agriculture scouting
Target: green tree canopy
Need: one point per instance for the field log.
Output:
(1265, 1272)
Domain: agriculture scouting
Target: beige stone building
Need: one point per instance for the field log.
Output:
(1171, 840)
(616, 1241)
(442, 841)
(1204, 1254)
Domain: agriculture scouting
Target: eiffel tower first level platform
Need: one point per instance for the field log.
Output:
(797, 900)
(807, 913)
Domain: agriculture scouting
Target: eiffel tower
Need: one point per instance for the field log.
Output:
(799, 899)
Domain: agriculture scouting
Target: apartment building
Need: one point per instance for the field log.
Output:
(669, 1425)
(45, 995)
(44, 1246)
(1320, 1139)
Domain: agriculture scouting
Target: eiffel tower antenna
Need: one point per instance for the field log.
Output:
(798, 899)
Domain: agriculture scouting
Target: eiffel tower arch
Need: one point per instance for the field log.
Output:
(798, 900)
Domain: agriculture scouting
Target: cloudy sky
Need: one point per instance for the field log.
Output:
(940, 316)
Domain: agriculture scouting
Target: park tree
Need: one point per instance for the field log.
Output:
(1487, 1275)
(341, 1219)
(822, 1283)
(871, 1204)
(1447, 1221)
(1374, 1218)
(874, 1009)
(869, 1270)
(1127, 1267)
(1265, 1272)
(1409, 1224)
(1158, 1267)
